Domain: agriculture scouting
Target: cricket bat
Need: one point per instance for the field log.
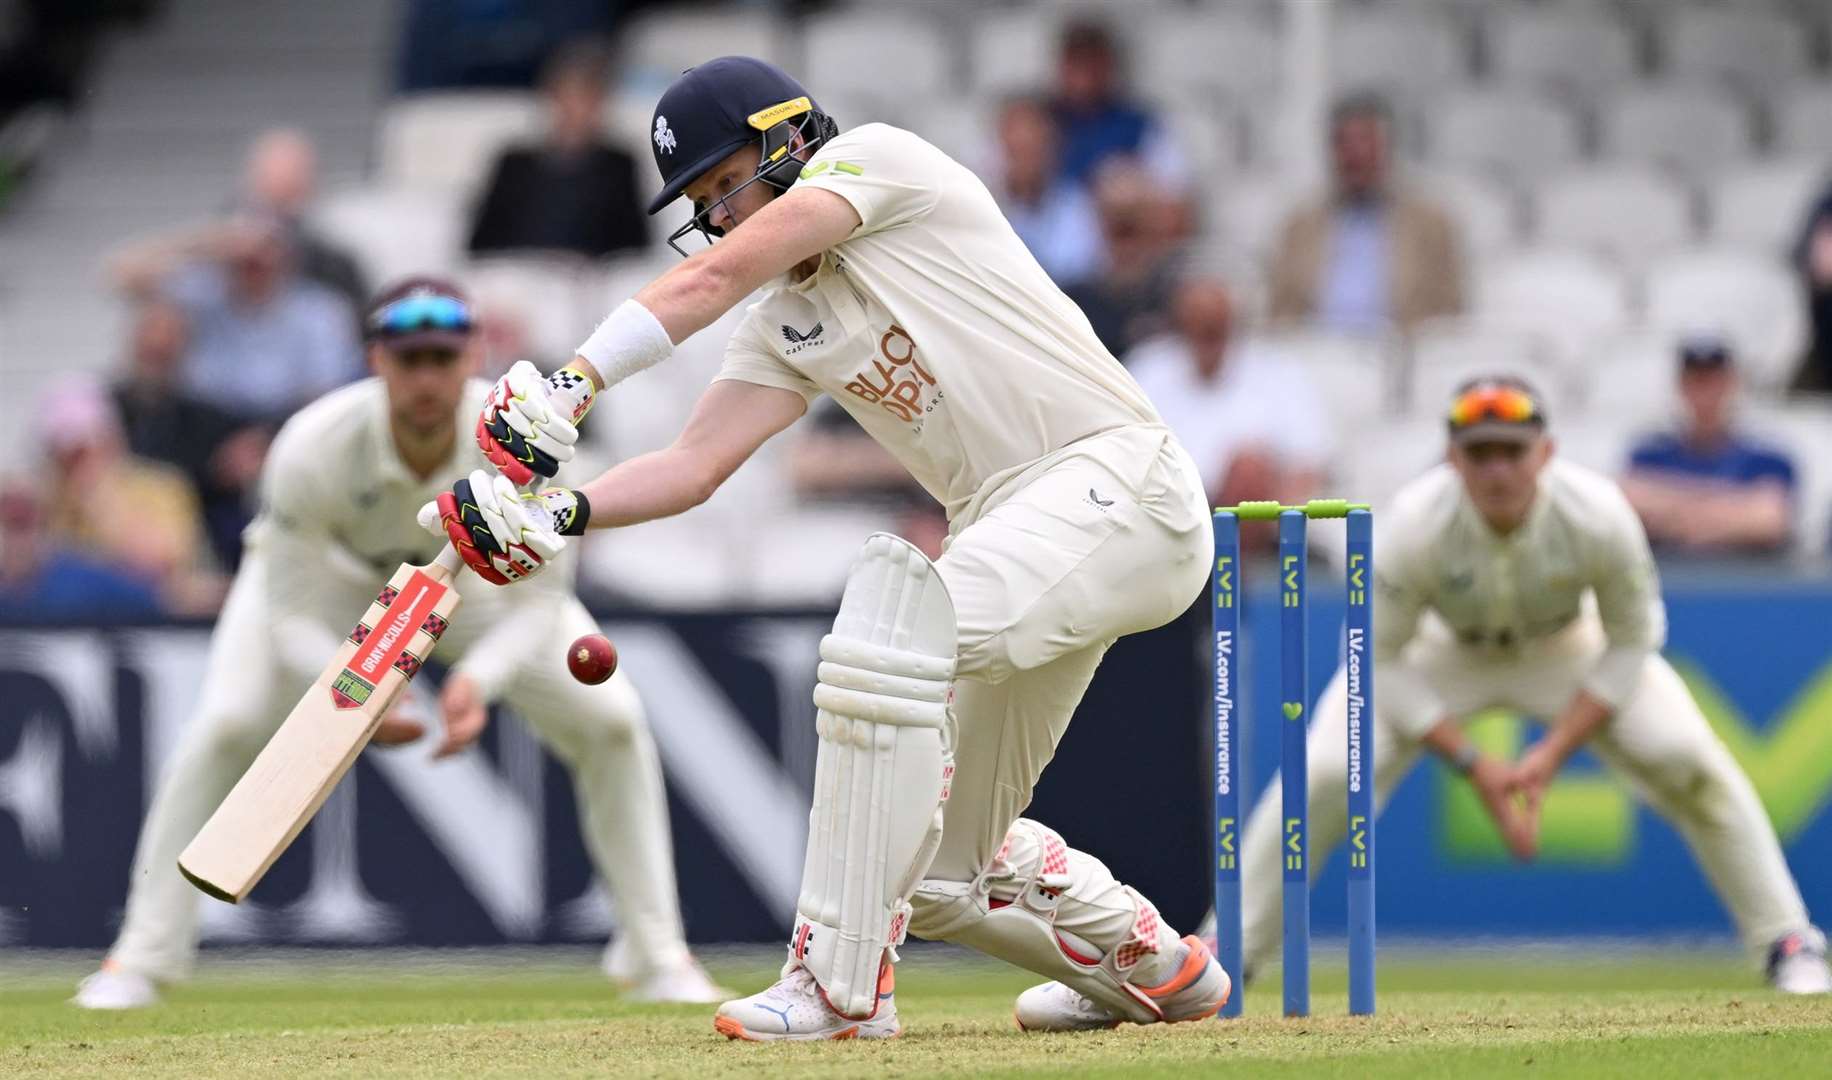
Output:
(321, 737)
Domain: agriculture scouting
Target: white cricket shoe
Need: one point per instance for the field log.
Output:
(684, 984)
(796, 1010)
(619, 963)
(1196, 992)
(1797, 965)
(112, 988)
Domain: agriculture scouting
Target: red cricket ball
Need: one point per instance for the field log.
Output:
(591, 659)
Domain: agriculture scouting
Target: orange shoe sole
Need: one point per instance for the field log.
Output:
(732, 1029)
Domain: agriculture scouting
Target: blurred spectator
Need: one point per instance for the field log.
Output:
(1052, 215)
(1370, 252)
(280, 178)
(264, 341)
(1813, 257)
(573, 192)
(218, 454)
(1097, 121)
(136, 515)
(41, 579)
(1707, 487)
(1248, 416)
(832, 458)
(1125, 297)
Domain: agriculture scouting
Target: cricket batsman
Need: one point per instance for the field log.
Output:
(1508, 578)
(339, 492)
(892, 283)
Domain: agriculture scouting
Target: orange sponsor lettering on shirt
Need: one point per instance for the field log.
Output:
(896, 379)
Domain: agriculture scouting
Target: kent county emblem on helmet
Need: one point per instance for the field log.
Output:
(664, 138)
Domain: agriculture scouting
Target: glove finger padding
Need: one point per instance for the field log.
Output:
(499, 535)
(528, 425)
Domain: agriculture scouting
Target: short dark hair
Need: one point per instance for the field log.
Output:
(1088, 34)
(581, 58)
(1360, 105)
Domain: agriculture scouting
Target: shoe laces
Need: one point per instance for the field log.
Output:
(797, 982)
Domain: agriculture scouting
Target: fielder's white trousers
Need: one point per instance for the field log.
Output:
(1659, 742)
(599, 732)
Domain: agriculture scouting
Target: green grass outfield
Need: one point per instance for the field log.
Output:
(547, 1014)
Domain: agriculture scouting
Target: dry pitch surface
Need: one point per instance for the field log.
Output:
(543, 1014)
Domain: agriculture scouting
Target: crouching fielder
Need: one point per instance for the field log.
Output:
(1510, 579)
(339, 492)
(1075, 518)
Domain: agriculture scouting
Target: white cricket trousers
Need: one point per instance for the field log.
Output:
(1659, 742)
(1109, 539)
(599, 732)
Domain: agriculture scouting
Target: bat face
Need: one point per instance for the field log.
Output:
(382, 645)
(321, 737)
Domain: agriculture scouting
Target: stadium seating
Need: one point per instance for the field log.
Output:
(1384, 455)
(963, 127)
(449, 141)
(879, 55)
(1216, 54)
(1403, 52)
(394, 231)
(1444, 353)
(1572, 49)
(1356, 376)
(1747, 45)
(1013, 50)
(1486, 213)
(1510, 134)
(1250, 210)
(1803, 119)
(1626, 213)
(1567, 295)
(554, 298)
(1692, 127)
(660, 43)
(1752, 299)
(1586, 148)
(1630, 379)
(1762, 206)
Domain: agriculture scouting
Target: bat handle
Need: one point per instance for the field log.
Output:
(449, 561)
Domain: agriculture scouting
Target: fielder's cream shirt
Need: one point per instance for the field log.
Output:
(1501, 594)
(337, 518)
(934, 327)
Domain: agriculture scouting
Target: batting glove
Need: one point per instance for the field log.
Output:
(501, 533)
(529, 423)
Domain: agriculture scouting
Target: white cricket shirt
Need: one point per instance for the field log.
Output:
(934, 326)
(1500, 594)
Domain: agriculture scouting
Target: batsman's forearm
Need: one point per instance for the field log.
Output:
(647, 487)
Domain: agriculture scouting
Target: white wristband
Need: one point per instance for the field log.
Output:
(629, 339)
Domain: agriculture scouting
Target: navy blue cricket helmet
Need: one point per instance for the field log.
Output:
(717, 107)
